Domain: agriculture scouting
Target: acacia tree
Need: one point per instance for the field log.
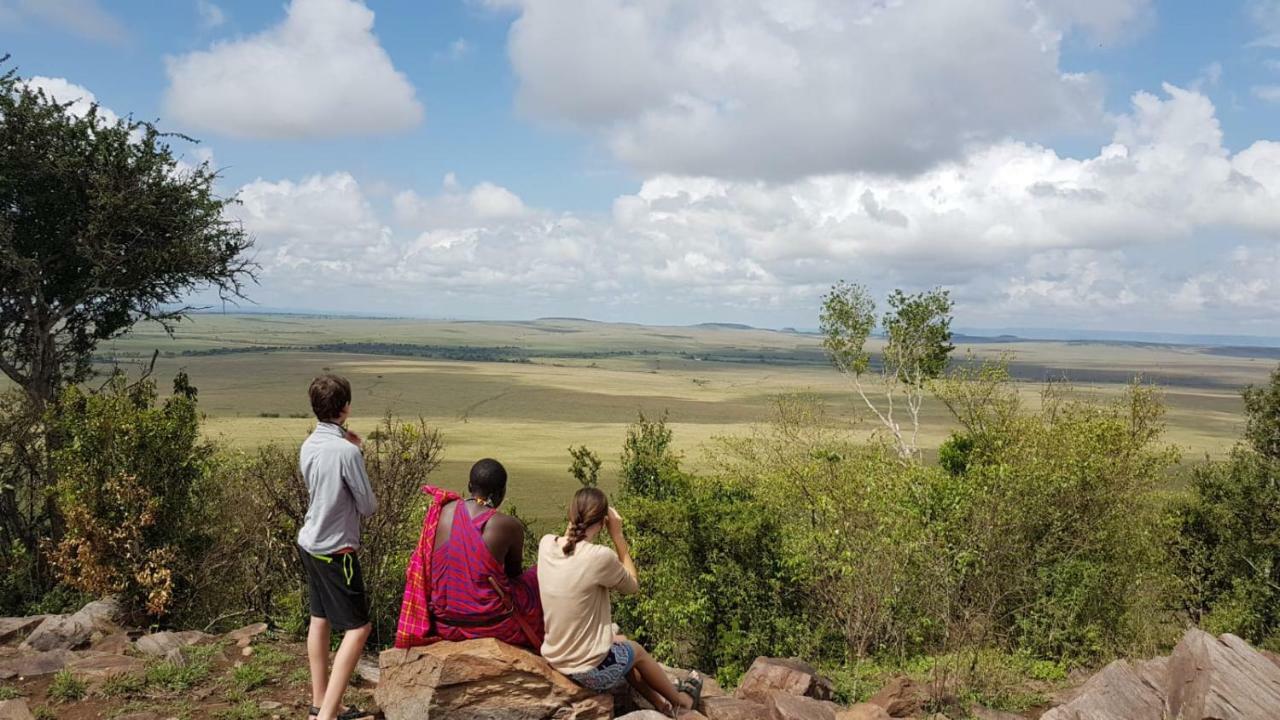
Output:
(918, 343)
(100, 226)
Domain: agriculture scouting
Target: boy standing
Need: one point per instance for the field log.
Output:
(333, 467)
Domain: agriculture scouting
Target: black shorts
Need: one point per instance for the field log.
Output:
(335, 586)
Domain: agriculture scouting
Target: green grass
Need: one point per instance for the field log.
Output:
(181, 677)
(124, 685)
(245, 710)
(44, 712)
(66, 687)
(527, 415)
(249, 677)
(9, 693)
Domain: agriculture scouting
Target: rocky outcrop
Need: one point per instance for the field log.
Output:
(480, 680)
(785, 706)
(1206, 678)
(162, 643)
(901, 698)
(15, 710)
(34, 664)
(786, 675)
(14, 630)
(728, 708)
(1220, 677)
(70, 632)
(863, 711)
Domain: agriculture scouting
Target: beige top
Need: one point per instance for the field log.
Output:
(575, 602)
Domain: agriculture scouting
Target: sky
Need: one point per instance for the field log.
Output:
(1088, 164)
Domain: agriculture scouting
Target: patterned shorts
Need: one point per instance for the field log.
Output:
(611, 672)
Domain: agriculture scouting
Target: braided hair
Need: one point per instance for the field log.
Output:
(588, 507)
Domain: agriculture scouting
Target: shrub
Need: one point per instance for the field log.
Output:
(254, 569)
(1228, 548)
(27, 510)
(129, 490)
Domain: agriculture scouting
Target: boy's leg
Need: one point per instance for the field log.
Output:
(318, 658)
(344, 664)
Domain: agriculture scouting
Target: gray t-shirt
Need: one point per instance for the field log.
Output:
(338, 486)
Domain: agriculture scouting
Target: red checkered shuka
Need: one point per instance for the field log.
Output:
(415, 626)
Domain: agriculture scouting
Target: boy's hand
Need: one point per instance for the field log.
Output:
(354, 439)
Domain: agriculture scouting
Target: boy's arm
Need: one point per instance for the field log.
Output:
(357, 480)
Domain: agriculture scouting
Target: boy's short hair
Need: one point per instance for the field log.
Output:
(329, 395)
(488, 480)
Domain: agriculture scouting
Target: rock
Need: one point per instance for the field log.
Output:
(1220, 677)
(33, 664)
(15, 710)
(246, 651)
(176, 658)
(788, 675)
(1118, 691)
(247, 633)
(480, 680)
(118, 643)
(728, 708)
(902, 697)
(162, 643)
(269, 705)
(14, 630)
(644, 715)
(69, 632)
(863, 711)
(143, 715)
(981, 713)
(103, 665)
(368, 671)
(1274, 658)
(785, 706)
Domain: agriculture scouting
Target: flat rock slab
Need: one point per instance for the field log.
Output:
(15, 630)
(104, 665)
(480, 680)
(864, 711)
(70, 632)
(33, 664)
(785, 706)
(248, 632)
(727, 708)
(162, 643)
(15, 710)
(788, 675)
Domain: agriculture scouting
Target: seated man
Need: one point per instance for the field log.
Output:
(475, 587)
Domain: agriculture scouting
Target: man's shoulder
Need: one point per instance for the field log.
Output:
(506, 523)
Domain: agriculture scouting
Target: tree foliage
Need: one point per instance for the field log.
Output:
(585, 467)
(917, 331)
(100, 225)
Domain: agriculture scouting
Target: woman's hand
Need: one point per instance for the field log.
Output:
(613, 521)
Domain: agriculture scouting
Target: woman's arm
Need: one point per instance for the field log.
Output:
(614, 523)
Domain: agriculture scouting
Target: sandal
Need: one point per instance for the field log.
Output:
(691, 686)
(350, 713)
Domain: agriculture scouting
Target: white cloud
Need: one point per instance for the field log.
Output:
(211, 16)
(321, 72)
(1266, 93)
(731, 88)
(1265, 15)
(85, 18)
(1163, 217)
(457, 50)
(65, 91)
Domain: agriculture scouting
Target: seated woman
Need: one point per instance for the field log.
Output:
(477, 587)
(575, 577)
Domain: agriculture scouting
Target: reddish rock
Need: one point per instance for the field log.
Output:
(863, 711)
(480, 680)
(1118, 691)
(902, 697)
(118, 643)
(727, 708)
(1220, 677)
(15, 710)
(247, 633)
(788, 675)
(31, 664)
(785, 706)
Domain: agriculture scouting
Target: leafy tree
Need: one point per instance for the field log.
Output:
(918, 344)
(100, 226)
(1262, 412)
(648, 460)
(585, 467)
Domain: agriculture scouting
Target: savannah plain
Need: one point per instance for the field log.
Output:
(524, 392)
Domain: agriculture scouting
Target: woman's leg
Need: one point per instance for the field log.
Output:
(658, 702)
(651, 674)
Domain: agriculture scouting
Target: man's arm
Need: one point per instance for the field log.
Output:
(357, 480)
(512, 536)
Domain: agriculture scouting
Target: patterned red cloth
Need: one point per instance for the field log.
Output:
(473, 597)
(415, 626)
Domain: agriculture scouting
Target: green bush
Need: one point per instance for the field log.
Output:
(130, 490)
(1229, 542)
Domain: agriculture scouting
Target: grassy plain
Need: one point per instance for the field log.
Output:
(579, 382)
